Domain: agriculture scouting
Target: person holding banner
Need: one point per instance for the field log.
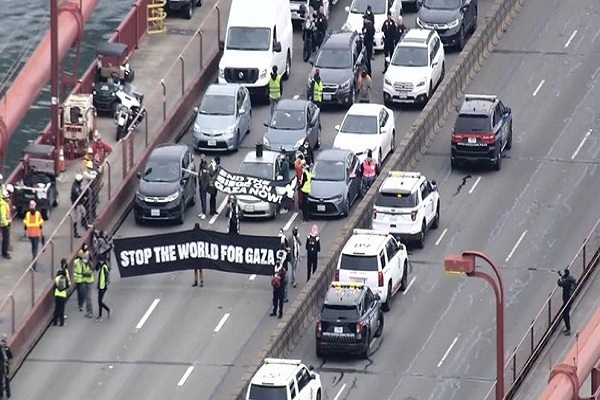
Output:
(284, 172)
(233, 213)
(279, 283)
(198, 275)
(213, 171)
(203, 185)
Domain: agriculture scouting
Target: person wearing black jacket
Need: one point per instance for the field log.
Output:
(368, 32)
(307, 152)
(567, 282)
(313, 247)
(279, 283)
(390, 33)
(321, 25)
(5, 358)
(233, 213)
(369, 14)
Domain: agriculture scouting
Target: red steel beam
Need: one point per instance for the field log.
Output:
(36, 73)
(565, 379)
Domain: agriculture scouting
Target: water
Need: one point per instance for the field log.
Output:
(24, 24)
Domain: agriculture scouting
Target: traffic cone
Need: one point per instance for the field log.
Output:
(62, 165)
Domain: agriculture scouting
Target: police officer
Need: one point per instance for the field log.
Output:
(61, 287)
(321, 25)
(5, 357)
(313, 247)
(275, 88)
(567, 282)
(233, 213)
(5, 221)
(103, 281)
(33, 223)
(213, 171)
(315, 93)
(368, 32)
(305, 189)
(390, 33)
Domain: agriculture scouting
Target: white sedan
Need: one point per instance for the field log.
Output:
(367, 127)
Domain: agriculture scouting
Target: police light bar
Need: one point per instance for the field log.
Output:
(282, 361)
(370, 232)
(488, 97)
(404, 174)
(347, 285)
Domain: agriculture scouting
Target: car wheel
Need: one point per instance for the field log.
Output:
(199, 3)
(237, 141)
(288, 67)
(436, 220)
(346, 211)
(453, 163)
(404, 281)
(379, 330)
(474, 22)
(388, 300)
(320, 354)
(138, 220)
(498, 163)
(318, 144)
(510, 134)
(443, 74)
(181, 217)
(461, 38)
(318, 395)
(352, 97)
(189, 11)
(421, 239)
(193, 199)
(365, 353)
(56, 199)
(380, 158)
(393, 144)
(46, 213)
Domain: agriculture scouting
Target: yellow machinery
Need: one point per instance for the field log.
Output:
(78, 121)
(156, 16)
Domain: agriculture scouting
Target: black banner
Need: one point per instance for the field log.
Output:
(193, 249)
(263, 189)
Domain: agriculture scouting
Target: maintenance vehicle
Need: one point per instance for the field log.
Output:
(78, 122)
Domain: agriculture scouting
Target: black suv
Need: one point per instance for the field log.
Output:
(340, 59)
(452, 19)
(483, 130)
(185, 6)
(166, 186)
(350, 318)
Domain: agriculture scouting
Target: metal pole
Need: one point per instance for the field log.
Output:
(54, 81)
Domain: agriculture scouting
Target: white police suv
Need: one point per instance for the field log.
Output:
(284, 379)
(407, 205)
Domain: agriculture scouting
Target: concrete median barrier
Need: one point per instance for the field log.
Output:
(409, 150)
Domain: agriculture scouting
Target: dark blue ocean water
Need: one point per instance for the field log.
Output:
(24, 24)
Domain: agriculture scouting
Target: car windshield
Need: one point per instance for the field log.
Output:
(217, 105)
(360, 6)
(396, 200)
(288, 120)
(162, 171)
(442, 4)
(257, 170)
(352, 262)
(241, 38)
(329, 171)
(334, 59)
(466, 123)
(364, 124)
(258, 392)
(335, 312)
(405, 56)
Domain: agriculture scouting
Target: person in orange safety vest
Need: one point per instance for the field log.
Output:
(33, 223)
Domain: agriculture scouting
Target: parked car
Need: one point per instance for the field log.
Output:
(335, 183)
(376, 259)
(367, 127)
(283, 379)
(295, 8)
(482, 132)
(416, 69)
(452, 19)
(380, 8)
(293, 121)
(339, 61)
(166, 186)
(223, 118)
(186, 7)
(407, 205)
(264, 165)
(351, 317)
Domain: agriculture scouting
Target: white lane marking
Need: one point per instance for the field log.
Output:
(252, 277)
(474, 185)
(409, 284)
(219, 210)
(441, 237)
(516, 245)
(587, 135)
(570, 39)
(339, 393)
(448, 351)
(291, 220)
(147, 314)
(296, 96)
(186, 375)
(535, 92)
(222, 322)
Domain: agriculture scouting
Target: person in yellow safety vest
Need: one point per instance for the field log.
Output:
(275, 88)
(61, 287)
(316, 89)
(33, 223)
(5, 221)
(103, 281)
(88, 279)
(78, 278)
(305, 189)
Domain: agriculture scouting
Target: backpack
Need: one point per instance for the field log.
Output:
(62, 283)
(276, 281)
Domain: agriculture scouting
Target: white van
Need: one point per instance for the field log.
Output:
(380, 8)
(259, 36)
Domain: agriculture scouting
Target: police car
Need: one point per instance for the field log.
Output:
(407, 205)
(376, 259)
(283, 379)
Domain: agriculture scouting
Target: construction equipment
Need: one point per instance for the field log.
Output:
(78, 122)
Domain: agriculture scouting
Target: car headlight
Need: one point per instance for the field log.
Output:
(346, 85)
(172, 197)
(386, 81)
(140, 197)
(221, 73)
(93, 92)
(338, 197)
(263, 73)
(230, 129)
(454, 23)
(421, 83)
(196, 127)
(265, 141)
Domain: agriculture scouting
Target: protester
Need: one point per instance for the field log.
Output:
(198, 275)
(213, 171)
(313, 247)
(305, 188)
(284, 171)
(278, 284)
(233, 213)
(5, 358)
(103, 281)
(364, 87)
(102, 245)
(203, 185)
(295, 253)
(567, 282)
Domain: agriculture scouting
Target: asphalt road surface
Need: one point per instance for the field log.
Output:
(530, 217)
(168, 340)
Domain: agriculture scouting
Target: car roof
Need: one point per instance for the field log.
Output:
(365, 242)
(220, 89)
(479, 104)
(364, 109)
(339, 40)
(340, 294)
(333, 155)
(291, 104)
(267, 157)
(168, 151)
(416, 37)
(270, 374)
(398, 181)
